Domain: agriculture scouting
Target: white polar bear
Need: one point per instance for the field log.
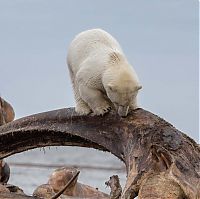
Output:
(101, 76)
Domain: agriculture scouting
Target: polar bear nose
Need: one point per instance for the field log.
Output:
(123, 111)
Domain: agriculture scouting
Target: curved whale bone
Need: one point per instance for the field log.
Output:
(150, 147)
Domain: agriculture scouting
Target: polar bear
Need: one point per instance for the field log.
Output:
(101, 76)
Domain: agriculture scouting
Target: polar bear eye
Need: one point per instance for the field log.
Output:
(112, 88)
(116, 103)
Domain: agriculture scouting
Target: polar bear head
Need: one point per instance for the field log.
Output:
(121, 85)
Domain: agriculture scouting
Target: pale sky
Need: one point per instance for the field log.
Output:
(160, 39)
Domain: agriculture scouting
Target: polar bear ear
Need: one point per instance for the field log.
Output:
(138, 87)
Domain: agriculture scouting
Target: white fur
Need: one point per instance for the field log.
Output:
(101, 75)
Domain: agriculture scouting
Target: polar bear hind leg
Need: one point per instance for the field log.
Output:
(95, 99)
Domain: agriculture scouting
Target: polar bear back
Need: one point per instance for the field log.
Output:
(91, 43)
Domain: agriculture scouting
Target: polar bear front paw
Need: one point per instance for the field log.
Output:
(102, 110)
(83, 110)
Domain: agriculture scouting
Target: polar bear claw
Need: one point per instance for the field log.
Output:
(101, 110)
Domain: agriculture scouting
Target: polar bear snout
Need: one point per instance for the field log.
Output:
(123, 111)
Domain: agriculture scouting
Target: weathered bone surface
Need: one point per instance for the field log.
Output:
(116, 189)
(7, 113)
(159, 159)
